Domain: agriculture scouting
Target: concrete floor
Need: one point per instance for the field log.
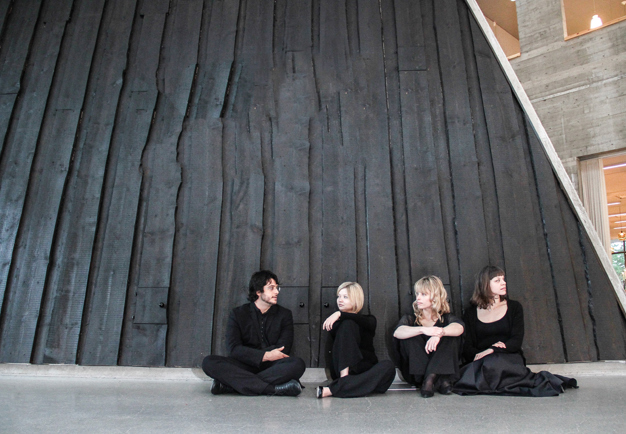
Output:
(32, 400)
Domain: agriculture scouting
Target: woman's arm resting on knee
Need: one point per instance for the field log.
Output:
(454, 329)
(328, 324)
(406, 332)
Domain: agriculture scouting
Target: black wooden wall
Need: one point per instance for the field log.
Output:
(154, 153)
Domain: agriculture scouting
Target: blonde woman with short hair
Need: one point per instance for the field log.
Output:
(355, 369)
(429, 340)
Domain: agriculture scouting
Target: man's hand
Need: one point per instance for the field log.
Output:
(275, 354)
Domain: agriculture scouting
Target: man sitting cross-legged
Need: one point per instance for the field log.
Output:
(259, 336)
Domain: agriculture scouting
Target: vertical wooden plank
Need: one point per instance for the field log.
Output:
(316, 206)
(328, 305)
(161, 179)
(61, 313)
(194, 271)
(5, 10)
(610, 323)
(315, 237)
(528, 277)
(286, 153)
(577, 258)
(427, 242)
(16, 33)
(109, 272)
(574, 315)
(397, 32)
(469, 214)
(442, 155)
(246, 126)
(46, 186)
(286, 160)
(483, 147)
(465, 217)
(21, 140)
(365, 134)
(336, 248)
(339, 243)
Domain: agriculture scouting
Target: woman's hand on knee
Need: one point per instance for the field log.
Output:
(483, 354)
(328, 324)
(431, 344)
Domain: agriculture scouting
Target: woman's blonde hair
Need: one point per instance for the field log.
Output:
(355, 295)
(433, 286)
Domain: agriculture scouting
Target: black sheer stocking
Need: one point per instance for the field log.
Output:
(428, 386)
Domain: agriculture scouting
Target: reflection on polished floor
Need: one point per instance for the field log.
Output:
(36, 403)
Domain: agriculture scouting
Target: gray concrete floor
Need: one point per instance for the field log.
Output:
(33, 402)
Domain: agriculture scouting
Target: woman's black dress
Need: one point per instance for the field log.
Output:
(503, 372)
(416, 364)
(353, 347)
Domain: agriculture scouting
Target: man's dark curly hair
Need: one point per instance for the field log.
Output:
(258, 281)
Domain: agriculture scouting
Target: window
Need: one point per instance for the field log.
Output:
(603, 193)
(502, 17)
(618, 249)
(584, 16)
(615, 177)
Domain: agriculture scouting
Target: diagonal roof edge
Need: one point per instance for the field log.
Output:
(553, 157)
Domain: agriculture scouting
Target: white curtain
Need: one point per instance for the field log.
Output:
(593, 192)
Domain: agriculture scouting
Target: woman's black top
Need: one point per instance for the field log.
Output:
(479, 335)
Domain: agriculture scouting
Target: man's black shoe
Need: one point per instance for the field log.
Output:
(218, 388)
(290, 388)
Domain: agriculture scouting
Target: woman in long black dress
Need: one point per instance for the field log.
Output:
(494, 331)
(355, 369)
(429, 340)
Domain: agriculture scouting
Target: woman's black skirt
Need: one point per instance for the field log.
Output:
(505, 374)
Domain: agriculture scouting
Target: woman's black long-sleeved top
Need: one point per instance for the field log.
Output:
(508, 330)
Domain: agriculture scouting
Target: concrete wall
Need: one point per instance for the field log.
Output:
(578, 87)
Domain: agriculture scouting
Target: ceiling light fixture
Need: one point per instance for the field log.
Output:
(596, 21)
(614, 166)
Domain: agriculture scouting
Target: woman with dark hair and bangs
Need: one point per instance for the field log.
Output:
(428, 341)
(494, 332)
